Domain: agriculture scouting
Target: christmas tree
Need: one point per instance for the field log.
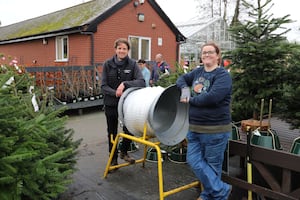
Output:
(260, 61)
(290, 106)
(37, 152)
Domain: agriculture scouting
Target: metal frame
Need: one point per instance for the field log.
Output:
(144, 140)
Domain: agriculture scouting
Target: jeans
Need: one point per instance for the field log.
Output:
(205, 155)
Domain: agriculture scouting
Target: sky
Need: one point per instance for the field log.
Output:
(12, 11)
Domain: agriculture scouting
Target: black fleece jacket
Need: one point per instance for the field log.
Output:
(113, 75)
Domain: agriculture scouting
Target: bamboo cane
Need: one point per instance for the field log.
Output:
(270, 112)
(261, 112)
(249, 164)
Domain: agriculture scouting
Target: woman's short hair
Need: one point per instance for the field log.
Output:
(122, 41)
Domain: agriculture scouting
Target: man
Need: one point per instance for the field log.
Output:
(119, 73)
(160, 69)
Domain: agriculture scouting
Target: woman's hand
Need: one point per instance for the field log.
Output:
(185, 95)
(185, 100)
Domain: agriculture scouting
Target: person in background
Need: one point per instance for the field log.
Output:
(119, 73)
(160, 69)
(207, 90)
(145, 71)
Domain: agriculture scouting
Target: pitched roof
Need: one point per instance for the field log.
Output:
(194, 25)
(82, 17)
(66, 19)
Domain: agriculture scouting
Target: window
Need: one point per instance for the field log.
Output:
(62, 48)
(140, 48)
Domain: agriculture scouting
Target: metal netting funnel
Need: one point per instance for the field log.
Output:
(165, 117)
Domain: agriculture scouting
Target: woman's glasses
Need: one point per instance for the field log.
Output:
(208, 52)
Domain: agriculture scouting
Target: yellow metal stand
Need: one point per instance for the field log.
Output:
(144, 140)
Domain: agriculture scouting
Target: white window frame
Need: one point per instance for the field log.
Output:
(62, 53)
(140, 38)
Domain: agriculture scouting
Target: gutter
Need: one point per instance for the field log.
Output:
(39, 37)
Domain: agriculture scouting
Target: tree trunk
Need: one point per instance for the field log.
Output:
(235, 18)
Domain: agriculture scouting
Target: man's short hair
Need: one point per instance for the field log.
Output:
(141, 61)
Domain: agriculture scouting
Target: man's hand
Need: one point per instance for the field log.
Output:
(120, 90)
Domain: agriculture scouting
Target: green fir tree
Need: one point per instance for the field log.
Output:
(166, 81)
(259, 62)
(290, 106)
(37, 152)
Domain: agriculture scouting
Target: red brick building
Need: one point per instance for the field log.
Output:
(84, 34)
(65, 50)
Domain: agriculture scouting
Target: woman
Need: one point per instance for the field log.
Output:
(207, 90)
(119, 73)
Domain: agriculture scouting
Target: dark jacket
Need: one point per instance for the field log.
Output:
(157, 70)
(210, 105)
(113, 75)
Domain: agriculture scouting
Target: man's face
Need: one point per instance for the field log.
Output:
(158, 59)
(141, 65)
(122, 51)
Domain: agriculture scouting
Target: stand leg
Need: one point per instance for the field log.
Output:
(162, 194)
(108, 167)
(145, 154)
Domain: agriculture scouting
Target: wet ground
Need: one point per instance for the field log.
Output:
(133, 182)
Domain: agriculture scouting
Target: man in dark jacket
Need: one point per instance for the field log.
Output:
(119, 73)
(159, 70)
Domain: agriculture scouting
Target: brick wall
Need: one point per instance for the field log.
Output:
(123, 23)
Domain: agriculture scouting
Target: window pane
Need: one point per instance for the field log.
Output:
(65, 48)
(62, 48)
(145, 54)
(58, 49)
(134, 48)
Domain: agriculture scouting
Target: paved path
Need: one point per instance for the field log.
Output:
(132, 182)
(128, 183)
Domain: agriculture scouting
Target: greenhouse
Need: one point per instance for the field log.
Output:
(198, 32)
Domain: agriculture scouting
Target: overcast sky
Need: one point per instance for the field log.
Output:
(12, 11)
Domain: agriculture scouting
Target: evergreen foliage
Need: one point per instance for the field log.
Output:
(290, 106)
(170, 79)
(37, 152)
(259, 63)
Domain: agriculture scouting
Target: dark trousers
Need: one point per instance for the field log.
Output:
(111, 113)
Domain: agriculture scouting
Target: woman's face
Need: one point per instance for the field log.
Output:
(209, 56)
(122, 51)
